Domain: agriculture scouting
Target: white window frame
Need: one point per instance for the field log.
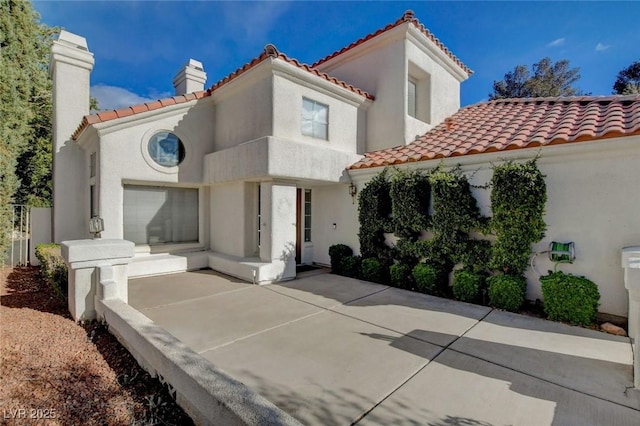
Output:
(314, 123)
(306, 213)
(412, 97)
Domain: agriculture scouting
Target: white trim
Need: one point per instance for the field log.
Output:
(549, 153)
(144, 149)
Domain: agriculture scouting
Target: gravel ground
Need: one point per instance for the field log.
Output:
(56, 372)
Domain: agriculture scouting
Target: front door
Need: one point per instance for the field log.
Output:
(298, 226)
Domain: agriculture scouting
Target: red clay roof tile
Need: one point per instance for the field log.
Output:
(509, 124)
(270, 51)
(409, 17)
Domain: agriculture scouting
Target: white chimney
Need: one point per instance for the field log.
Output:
(190, 78)
(70, 67)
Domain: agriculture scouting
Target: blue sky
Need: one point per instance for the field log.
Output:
(139, 46)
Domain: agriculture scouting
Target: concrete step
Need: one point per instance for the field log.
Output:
(157, 264)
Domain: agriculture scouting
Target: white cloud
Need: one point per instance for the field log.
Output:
(601, 47)
(113, 97)
(557, 42)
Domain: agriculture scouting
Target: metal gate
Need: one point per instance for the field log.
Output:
(20, 237)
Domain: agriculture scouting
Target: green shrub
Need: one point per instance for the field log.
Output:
(466, 285)
(337, 252)
(570, 298)
(507, 291)
(427, 278)
(350, 266)
(53, 268)
(375, 270)
(400, 274)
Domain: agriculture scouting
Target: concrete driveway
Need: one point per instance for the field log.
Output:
(334, 350)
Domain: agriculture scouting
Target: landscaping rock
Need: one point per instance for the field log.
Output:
(613, 329)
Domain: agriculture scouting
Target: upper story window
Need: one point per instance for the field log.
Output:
(315, 119)
(411, 98)
(166, 149)
(419, 93)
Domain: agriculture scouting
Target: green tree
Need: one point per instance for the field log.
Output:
(25, 104)
(545, 79)
(628, 80)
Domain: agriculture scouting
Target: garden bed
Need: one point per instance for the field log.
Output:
(61, 373)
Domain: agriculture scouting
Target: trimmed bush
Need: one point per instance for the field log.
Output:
(350, 266)
(53, 268)
(426, 277)
(400, 274)
(507, 291)
(374, 270)
(466, 285)
(570, 298)
(337, 252)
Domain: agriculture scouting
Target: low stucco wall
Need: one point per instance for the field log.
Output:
(207, 394)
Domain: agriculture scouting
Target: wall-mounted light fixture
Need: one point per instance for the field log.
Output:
(353, 190)
(96, 226)
(335, 226)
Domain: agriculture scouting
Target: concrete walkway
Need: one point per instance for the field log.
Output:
(333, 350)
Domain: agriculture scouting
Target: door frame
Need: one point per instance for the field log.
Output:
(298, 226)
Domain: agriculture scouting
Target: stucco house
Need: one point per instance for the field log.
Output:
(260, 172)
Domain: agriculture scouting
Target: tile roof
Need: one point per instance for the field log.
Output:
(408, 16)
(508, 124)
(270, 51)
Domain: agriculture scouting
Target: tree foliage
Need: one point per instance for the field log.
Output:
(628, 80)
(545, 79)
(25, 107)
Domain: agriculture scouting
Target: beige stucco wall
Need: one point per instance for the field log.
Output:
(591, 201)
(333, 204)
(229, 230)
(123, 158)
(287, 115)
(243, 109)
(381, 73)
(382, 66)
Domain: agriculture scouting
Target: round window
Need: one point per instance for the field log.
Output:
(166, 149)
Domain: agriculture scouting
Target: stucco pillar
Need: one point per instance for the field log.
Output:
(70, 67)
(278, 231)
(631, 265)
(98, 270)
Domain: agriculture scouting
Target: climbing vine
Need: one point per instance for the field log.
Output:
(518, 198)
(410, 196)
(456, 214)
(374, 211)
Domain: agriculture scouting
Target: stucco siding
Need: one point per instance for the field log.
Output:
(244, 111)
(227, 219)
(333, 204)
(287, 107)
(591, 202)
(123, 158)
(382, 73)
